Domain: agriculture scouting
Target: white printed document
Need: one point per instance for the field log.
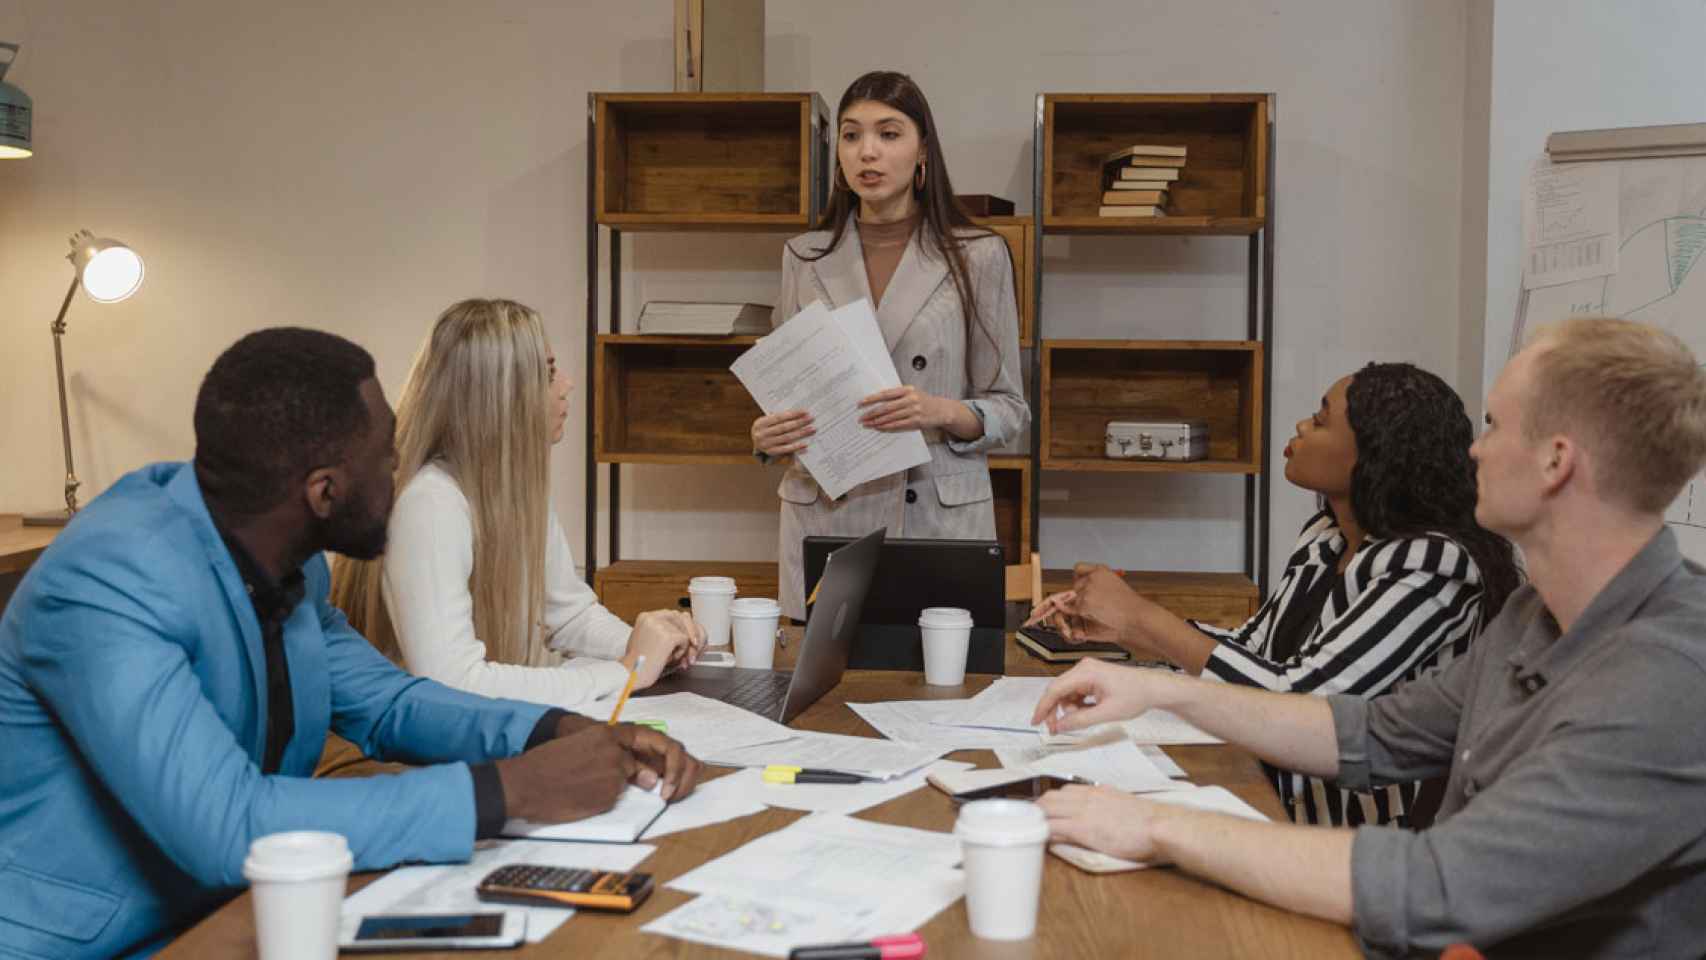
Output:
(1113, 761)
(865, 756)
(822, 879)
(449, 888)
(927, 723)
(824, 362)
(702, 725)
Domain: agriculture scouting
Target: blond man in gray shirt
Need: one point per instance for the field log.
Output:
(1573, 734)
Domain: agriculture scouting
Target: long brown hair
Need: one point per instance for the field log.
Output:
(945, 226)
(476, 405)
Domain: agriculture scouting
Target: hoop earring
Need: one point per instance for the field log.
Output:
(918, 179)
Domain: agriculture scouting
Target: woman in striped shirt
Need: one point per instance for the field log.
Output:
(1392, 578)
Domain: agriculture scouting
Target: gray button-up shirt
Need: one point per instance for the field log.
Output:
(1574, 820)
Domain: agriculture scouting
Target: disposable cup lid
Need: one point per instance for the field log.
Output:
(944, 617)
(297, 855)
(754, 608)
(1001, 823)
(711, 585)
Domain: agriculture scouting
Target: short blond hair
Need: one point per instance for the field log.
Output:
(1631, 393)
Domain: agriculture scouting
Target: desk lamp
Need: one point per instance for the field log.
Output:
(109, 272)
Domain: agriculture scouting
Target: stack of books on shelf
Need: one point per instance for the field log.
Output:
(1138, 179)
(704, 319)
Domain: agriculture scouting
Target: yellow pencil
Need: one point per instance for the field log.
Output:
(627, 688)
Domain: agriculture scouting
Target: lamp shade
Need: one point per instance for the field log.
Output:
(110, 271)
(15, 110)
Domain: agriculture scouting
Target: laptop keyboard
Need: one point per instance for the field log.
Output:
(762, 693)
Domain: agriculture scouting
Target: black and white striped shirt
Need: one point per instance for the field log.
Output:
(1403, 607)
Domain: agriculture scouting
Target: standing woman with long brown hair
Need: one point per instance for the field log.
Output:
(942, 290)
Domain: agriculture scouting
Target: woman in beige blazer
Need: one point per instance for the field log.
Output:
(943, 290)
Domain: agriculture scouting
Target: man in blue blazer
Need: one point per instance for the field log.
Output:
(170, 667)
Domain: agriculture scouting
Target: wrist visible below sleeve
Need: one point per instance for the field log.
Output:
(489, 802)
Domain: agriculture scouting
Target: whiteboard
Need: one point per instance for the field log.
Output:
(1662, 234)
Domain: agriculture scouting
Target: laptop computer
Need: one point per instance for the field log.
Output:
(782, 695)
(913, 574)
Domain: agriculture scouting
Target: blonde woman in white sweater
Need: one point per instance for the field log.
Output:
(477, 588)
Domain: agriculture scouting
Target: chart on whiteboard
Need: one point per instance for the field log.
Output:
(1659, 280)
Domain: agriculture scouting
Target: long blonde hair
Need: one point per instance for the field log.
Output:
(476, 403)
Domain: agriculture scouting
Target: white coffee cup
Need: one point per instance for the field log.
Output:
(1002, 843)
(755, 622)
(711, 597)
(947, 637)
(298, 881)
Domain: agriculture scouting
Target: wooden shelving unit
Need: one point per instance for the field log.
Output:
(712, 162)
(1087, 383)
(1224, 192)
(1079, 386)
(708, 161)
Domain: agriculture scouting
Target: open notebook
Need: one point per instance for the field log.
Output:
(624, 823)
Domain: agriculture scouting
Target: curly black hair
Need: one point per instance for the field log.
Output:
(1413, 473)
(277, 404)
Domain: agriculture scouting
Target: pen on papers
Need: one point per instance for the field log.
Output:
(781, 773)
(906, 946)
(627, 688)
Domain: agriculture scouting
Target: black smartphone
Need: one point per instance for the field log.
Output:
(1028, 788)
(462, 931)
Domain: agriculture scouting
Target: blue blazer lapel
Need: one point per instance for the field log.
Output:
(186, 493)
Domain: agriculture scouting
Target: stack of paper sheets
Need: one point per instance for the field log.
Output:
(865, 756)
(702, 725)
(823, 879)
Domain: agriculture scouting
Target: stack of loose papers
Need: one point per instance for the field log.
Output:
(1007, 704)
(1111, 760)
(930, 723)
(702, 725)
(865, 756)
(823, 879)
(824, 363)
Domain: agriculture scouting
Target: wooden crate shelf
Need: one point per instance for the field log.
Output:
(1223, 189)
(666, 399)
(709, 161)
(1087, 383)
(1017, 232)
(1218, 599)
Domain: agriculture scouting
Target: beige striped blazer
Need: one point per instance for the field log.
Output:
(924, 326)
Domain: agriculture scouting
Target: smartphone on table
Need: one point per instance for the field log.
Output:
(498, 929)
(1027, 788)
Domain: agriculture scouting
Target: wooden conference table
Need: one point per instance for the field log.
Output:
(1147, 913)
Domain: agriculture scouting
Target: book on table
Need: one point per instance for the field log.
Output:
(704, 319)
(1049, 645)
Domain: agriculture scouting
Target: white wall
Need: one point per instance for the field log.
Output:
(1575, 65)
(356, 166)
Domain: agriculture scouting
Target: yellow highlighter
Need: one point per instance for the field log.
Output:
(781, 773)
(627, 688)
